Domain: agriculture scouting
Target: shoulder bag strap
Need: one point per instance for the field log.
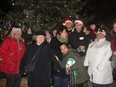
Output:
(37, 53)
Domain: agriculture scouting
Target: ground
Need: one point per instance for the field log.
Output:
(24, 83)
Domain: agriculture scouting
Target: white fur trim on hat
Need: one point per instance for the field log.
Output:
(68, 21)
(101, 31)
(79, 22)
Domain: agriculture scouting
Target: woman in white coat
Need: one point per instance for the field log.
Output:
(97, 60)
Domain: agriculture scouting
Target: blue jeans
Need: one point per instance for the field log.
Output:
(60, 82)
(100, 85)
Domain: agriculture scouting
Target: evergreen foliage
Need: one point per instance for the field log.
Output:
(43, 14)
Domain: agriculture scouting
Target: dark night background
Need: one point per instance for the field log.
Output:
(105, 8)
(102, 10)
(5, 5)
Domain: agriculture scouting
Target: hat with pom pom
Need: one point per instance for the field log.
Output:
(101, 31)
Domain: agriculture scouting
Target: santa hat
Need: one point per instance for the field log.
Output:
(101, 31)
(78, 22)
(67, 20)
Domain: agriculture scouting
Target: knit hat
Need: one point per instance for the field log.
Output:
(101, 31)
(67, 20)
(16, 29)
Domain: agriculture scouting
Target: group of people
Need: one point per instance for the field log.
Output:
(72, 56)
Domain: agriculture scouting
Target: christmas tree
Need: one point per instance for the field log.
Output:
(43, 14)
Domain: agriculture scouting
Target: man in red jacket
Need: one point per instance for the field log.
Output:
(12, 51)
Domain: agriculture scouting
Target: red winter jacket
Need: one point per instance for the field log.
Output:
(11, 54)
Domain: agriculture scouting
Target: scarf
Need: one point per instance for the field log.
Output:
(62, 40)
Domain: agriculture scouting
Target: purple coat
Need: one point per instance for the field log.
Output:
(113, 43)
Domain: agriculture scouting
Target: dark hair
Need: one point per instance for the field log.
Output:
(91, 23)
(61, 29)
(63, 44)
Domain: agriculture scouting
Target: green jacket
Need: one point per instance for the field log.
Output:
(78, 73)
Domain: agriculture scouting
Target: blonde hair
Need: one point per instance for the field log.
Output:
(14, 29)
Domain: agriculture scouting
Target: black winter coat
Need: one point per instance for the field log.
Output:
(57, 70)
(77, 39)
(41, 76)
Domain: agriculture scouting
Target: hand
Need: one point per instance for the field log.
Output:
(24, 73)
(68, 68)
(81, 47)
(114, 53)
(56, 58)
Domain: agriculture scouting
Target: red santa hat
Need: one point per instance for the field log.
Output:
(78, 22)
(67, 20)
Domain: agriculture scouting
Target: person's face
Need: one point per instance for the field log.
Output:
(78, 27)
(40, 39)
(114, 27)
(29, 31)
(54, 33)
(87, 32)
(64, 49)
(17, 34)
(100, 36)
(92, 26)
(64, 33)
(68, 25)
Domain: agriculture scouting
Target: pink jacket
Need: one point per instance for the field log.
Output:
(11, 52)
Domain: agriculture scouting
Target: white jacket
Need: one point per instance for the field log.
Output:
(97, 60)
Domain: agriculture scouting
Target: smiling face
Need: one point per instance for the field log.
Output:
(114, 27)
(64, 49)
(40, 39)
(63, 33)
(78, 27)
(17, 34)
(100, 36)
(93, 26)
(68, 25)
